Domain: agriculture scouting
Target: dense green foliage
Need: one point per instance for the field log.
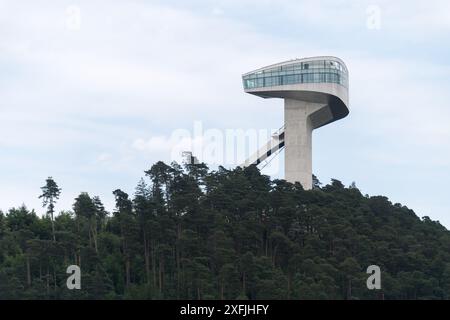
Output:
(188, 233)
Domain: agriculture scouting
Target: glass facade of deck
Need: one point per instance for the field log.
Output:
(313, 71)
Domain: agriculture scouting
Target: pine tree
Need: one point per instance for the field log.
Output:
(50, 193)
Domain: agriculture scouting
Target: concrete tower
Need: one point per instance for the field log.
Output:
(315, 93)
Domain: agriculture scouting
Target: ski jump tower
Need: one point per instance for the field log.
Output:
(315, 93)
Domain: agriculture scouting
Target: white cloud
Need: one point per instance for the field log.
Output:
(103, 157)
(154, 144)
(409, 101)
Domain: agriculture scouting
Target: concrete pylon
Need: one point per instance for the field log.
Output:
(298, 140)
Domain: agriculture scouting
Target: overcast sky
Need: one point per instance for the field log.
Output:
(92, 91)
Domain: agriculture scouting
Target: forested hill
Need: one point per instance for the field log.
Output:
(188, 233)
